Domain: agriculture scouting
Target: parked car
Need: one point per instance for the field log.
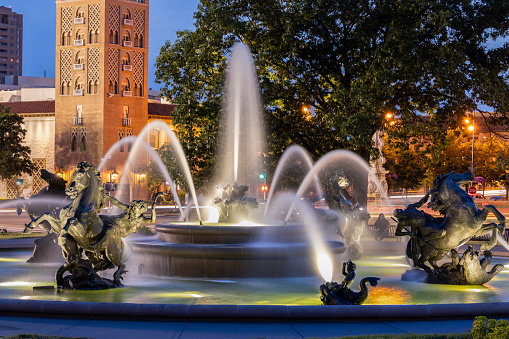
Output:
(497, 197)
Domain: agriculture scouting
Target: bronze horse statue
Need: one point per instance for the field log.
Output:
(432, 238)
(81, 228)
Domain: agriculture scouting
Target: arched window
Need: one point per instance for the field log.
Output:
(127, 14)
(115, 37)
(79, 83)
(96, 36)
(80, 59)
(111, 37)
(62, 88)
(140, 43)
(115, 88)
(69, 39)
(110, 87)
(136, 40)
(90, 87)
(74, 142)
(126, 59)
(83, 143)
(126, 36)
(96, 85)
(140, 90)
(68, 88)
(135, 92)
(64, 39)
(80, 34)
(126, 85)
(80, 13)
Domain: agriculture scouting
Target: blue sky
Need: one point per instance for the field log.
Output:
(166, 18)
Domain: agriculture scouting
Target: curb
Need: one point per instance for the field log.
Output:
(229, 312)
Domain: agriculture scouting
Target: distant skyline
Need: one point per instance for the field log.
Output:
(39, 30)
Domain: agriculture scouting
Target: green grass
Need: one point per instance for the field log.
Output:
(20, 235)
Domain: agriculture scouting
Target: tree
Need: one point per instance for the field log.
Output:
(350, 62)
(406, 163)
(14, 157)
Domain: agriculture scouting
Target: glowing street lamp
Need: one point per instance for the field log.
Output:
(472, 128)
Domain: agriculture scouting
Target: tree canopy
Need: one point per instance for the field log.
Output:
(348, 63)
(14, 157)
(412, 166)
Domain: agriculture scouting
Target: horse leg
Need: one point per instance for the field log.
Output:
(70, 249)
(500, 216)
(500, 228)
(114, 253)
(51, 219)
(486, 228)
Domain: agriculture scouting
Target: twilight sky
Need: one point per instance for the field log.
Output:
(166, 18)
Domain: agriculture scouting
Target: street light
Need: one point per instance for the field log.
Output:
(472, 128)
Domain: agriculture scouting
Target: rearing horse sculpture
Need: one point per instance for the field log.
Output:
(432, 238)
(81, 228)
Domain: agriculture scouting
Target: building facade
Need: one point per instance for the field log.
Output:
(11, 43)
(100, 77)
(39, 123)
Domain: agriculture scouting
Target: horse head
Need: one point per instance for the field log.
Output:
(86, 182)
(447, 190)
(410, 217)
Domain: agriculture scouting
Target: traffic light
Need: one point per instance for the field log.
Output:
(264, 188)
(262, 176)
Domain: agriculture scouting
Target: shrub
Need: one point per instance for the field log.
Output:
(484, 328)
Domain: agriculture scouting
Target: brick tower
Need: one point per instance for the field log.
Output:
(100, 78)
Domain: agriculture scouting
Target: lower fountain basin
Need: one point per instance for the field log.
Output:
(19, 277)
(222, 251)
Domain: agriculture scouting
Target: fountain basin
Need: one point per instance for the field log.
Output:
(230, 234)
(189, 250)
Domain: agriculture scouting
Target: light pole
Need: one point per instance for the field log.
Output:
(472, 128)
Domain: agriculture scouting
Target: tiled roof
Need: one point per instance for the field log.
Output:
(48, 106)
(160, 109)
(21, 107)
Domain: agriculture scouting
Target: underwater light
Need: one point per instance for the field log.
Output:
(324, 265)
(15, 283)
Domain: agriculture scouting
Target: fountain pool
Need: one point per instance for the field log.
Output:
(18, 279)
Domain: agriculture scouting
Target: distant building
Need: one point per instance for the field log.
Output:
(39, 122)
(100, 94)
(11, 43)
(101, 75)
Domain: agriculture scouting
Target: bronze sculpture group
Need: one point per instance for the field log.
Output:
(433, 238)
(81, 230)
(354, 218)
(91, 242)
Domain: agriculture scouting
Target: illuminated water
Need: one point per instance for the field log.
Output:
(18, 278)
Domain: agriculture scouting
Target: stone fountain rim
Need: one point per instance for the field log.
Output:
(184, 227)
(228, 312)
(81, 309)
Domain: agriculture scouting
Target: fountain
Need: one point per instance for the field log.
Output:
(202, 262)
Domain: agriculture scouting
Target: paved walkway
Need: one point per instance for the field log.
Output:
(186, 329)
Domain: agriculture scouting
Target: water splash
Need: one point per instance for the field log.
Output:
(502, 241)
(242, 128)
(127, 167)
(179, 152)
(345, 159)
(288, 154)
